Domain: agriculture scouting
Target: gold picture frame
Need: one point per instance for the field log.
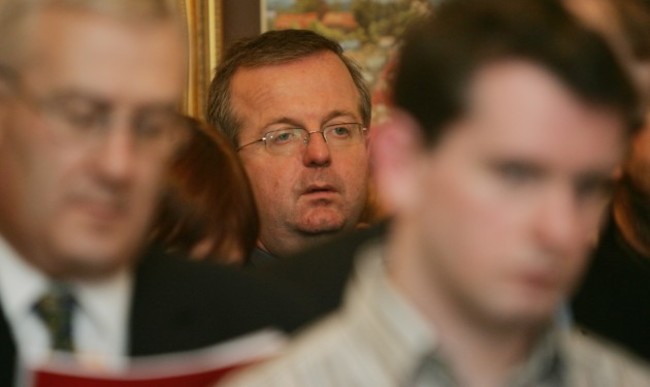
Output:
(205, 34)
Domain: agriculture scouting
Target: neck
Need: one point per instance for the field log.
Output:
(632, 215)
(482, 352)
(290, 244)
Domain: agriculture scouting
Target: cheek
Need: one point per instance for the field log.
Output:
(468, 225)
(148, 184)
(470, 210)
(355, 172)
(270, 179)
(50, 170)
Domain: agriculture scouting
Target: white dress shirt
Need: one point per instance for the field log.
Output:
(99, 321)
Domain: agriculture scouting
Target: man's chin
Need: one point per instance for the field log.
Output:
(90, 262)
(322, 226)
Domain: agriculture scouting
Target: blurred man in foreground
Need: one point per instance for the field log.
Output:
(88, 124)
(511, 123)
(297, 110)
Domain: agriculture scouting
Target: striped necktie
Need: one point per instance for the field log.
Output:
(55, 308)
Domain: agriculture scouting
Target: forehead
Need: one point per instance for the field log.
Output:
(305, 91)
(98, 53)
(519, 107)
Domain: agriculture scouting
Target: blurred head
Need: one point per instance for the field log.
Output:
(208, 210)
(271, 96)
(88, 126)
(511, 123)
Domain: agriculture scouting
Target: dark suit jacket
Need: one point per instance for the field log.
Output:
(181, 305)
(321, 273)
(614, 299)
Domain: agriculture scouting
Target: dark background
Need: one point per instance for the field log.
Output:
(241, 18)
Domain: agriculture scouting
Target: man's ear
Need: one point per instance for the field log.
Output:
(396, 148)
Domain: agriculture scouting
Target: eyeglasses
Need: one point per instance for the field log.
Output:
(290, 140)
(84, 120)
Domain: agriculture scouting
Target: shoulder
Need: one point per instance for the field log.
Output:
(327, 354)
(193, 304)
(602, 363)
(175, 277)
(322, 272)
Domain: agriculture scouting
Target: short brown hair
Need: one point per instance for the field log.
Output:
(270, 48)
(440, 54)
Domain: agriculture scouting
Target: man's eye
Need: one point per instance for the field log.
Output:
(283, 137)
(79, 115)
(153, 125)
(595, 188)
(517, 173)
(340, 131)
(82, 117)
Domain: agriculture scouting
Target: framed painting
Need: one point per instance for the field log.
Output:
(204, 22)
(368, 31)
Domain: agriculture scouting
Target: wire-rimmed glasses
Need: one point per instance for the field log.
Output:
(83, 120)
(290, 140)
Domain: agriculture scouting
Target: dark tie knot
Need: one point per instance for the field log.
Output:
(55, 308)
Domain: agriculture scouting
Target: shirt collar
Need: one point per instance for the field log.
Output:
(380, 307)
(390, 322)
(105, 303)
(21, 284)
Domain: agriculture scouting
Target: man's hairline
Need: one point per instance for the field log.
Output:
(236, 118)
(28, 22)
(469, 84)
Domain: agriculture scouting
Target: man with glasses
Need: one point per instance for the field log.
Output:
(88, 124)
(297, 111)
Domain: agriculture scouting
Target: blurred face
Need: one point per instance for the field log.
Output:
(318, 189)
(80, 153)
(511, 199)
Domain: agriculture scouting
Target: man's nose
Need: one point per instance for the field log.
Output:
(317, 152)
(116, 153)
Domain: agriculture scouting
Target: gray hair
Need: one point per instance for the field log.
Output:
(15, 16)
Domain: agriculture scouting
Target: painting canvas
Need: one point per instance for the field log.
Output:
(368, 31)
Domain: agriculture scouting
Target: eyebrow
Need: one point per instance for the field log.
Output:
(295, 123)
(66, 95)
(338, 113)
(69, 95)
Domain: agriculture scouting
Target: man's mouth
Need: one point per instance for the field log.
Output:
(320, 192)
(101, 208)
(318, 189)
(539, 279)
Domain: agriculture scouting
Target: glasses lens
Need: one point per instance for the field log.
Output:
(343, 134)
(285, 140)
